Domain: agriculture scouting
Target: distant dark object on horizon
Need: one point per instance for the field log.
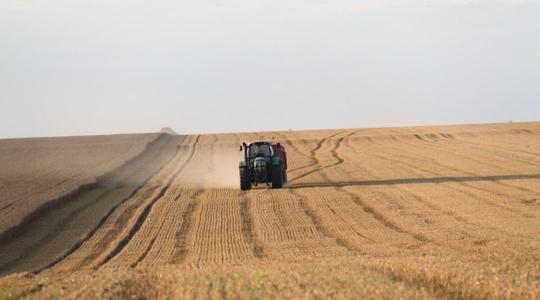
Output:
(168, 130)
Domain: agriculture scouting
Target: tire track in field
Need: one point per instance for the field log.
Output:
(285, 230)
(417, 198)
(142, 217)
(355, 198)
(460, 220)
(416, 168)
(248, 229)
(380, 217)
(449, 213)
(472, 195)
(181, 249)
(183, 206)
(100, 183)
(503, 152)
(477, 161)
(109, 183)
(316, 161)
(311, 164)
(350, 226)
(295, 149)
(365, 207)
(217, 234)
(51, 235)
(111, 234)
(281, 219)
(313, 153)
(181, 236)
(8, 205)
(212, 223)
(383, 219)
(319, 224)
(334, 150)
(145, 253)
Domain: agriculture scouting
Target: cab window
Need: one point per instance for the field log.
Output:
(256, 150)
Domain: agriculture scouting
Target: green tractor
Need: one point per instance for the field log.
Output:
(263, 162)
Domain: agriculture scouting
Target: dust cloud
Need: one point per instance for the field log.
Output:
(213, 166)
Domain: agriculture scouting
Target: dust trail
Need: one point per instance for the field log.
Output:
(215, 165)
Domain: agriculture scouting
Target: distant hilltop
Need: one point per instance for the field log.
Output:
(168, 130)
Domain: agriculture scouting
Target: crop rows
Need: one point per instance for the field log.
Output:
(417, 207)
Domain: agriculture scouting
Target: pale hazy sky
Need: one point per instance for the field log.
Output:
(71, 67)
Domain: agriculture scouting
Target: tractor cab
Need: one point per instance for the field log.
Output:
(260, 149)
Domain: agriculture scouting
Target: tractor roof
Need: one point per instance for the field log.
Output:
(259, 143)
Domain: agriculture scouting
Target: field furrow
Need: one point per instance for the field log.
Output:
(51, 236)
(145, 211)
(472, 199)
(419, 213)
(476, 191)
(287, 228)
(217, 235)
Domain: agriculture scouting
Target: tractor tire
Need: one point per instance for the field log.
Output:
(277, 177)
(245, 179)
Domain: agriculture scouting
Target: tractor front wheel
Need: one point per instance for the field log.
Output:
(245, 179)
(277, 177)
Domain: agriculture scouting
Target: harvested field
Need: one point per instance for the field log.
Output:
(36, 171)
(415, 212)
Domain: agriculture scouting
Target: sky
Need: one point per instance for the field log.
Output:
(79, 67)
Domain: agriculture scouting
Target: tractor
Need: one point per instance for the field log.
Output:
(264, 162)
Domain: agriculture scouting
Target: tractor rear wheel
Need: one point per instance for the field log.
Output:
(277, 177)
(245, 179)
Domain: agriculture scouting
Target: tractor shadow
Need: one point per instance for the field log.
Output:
(412, 181)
